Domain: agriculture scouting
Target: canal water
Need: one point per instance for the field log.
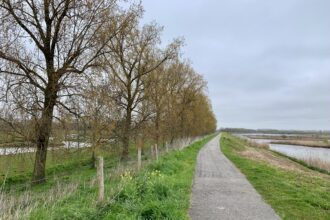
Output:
(22, 150)
(298, 152)
(302, 152)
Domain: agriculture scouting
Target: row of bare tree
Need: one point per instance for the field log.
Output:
(93, 59)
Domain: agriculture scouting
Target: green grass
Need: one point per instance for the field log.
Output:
(17, 169)
(160, 191)
(292, 194)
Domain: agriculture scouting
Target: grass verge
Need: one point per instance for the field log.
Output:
(160, 191)
(293, 194)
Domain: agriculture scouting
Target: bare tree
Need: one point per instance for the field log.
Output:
(190, 84)
(135, 55)
(46, 46)
(99, 113)
(172, 97)
(157, 91)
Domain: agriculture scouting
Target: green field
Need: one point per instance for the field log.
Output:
(294, 191)
(18, 168)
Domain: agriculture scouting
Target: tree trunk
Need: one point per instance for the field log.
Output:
(125, 152)
(126, 136)
(152, 152)
(93, 148)
(157, 135)
(42, 136)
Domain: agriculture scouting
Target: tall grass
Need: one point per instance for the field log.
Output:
(316, 162)
(20, 206)
(257, 144)
(161, 191)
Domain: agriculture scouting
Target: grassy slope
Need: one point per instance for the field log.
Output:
(293, 195)
(160, 191)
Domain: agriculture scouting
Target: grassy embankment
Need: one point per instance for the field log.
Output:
(293, 190)
(160, 191)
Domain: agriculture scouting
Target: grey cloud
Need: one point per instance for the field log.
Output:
(267, 62)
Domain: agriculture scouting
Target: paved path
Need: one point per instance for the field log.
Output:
(221, 192)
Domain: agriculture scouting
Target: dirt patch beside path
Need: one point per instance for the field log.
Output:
(269, 157)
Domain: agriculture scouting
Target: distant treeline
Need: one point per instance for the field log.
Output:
(272, 131)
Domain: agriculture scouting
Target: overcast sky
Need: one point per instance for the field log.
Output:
(267, 63)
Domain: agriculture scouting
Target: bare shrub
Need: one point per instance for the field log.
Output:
(257, 144)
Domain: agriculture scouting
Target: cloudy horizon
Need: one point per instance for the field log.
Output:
(266, 63)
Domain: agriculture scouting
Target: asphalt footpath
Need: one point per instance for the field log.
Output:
(220, 191)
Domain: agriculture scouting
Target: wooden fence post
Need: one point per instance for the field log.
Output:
(139, 157)
(100, 178)
(156, 151)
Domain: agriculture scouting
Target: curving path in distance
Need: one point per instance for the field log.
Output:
(220, 191)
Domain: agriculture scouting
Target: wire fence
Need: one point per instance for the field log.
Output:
(19, 200)
(59, 174)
